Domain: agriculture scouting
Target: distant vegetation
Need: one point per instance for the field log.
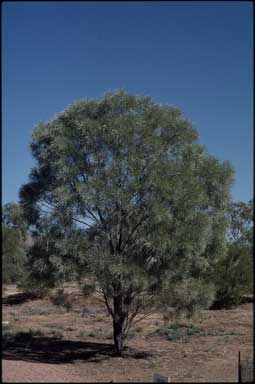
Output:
(14, 248)
(233, 275)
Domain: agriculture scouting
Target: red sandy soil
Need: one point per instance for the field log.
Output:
(88, 356)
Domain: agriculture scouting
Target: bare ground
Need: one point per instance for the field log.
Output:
(85, 351)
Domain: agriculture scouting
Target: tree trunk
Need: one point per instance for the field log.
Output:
(118, 337)
(119, 321)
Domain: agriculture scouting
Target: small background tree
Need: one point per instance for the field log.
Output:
(14, 245)
(233, 274)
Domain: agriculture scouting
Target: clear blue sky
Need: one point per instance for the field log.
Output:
(195, 55)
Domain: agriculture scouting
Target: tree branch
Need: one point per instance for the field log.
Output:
(107, 303)
(73, 218)
(133, 230)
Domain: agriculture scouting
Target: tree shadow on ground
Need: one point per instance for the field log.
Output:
(18, 298)
(55, 351)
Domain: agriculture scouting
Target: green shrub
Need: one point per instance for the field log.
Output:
(34, 286)
(13, 255)
(36, 332)
(95, 333)
(88, 289)
(14, 248)
(233, 277)
(187, 298)
(6, 328)
(10, 332)
(99, 319)
(178, 331)
(82, 334)
(55, 325)
(57, 334)
(13, 334)
(61, 299)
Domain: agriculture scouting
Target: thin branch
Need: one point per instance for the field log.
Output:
(92, 214)
(73, 218)
(133, 230)
(107, 303)
(120, 235)
(100, 216)
(143, 317)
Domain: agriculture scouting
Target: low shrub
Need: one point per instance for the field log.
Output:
(178, 331)
(181, 332)
(10, 332)
(99, 319)
(88, 289)
(57, 334)
(36, 332)
(33, 286)
(95, 333)
(185, 298)
(61, 299)
(55, 325)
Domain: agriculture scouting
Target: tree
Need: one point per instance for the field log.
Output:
(13, 217)
(14, 243)
(233, 275)
(150, 197)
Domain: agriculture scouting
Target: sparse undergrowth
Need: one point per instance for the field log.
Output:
(13, 334)
(55, 325)
(178, 331)
(222, 328)
(10, 332)
(95, 333)
(181, 332)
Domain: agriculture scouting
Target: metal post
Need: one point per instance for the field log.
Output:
(239, 367)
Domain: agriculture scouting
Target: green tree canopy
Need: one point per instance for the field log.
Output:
(151, 198)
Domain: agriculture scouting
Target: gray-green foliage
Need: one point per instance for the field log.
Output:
(11, 334)
(180, 332)
(150, 197)
(53, 257)
(240, 220)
